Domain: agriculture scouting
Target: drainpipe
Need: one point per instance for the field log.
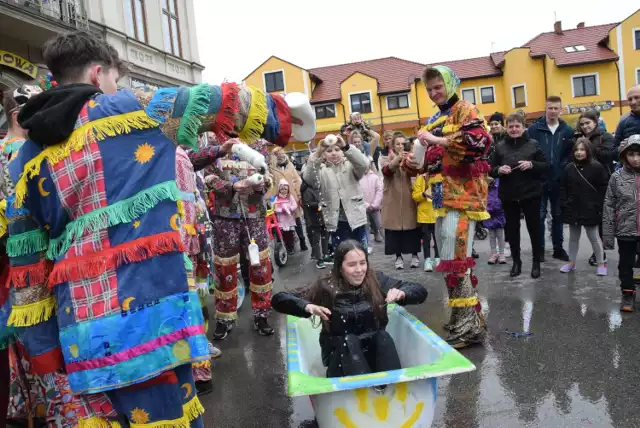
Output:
(619, 88)
(381, 115)
(344, 112)
(544, 72)
(415, 84)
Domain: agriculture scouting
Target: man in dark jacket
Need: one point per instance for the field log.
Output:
(555, 138)
(630, 124)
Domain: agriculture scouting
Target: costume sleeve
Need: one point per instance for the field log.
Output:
(468, 138)
(290, 304)
(415, 294)
(205, 157)
(609, 212)
(219, 186)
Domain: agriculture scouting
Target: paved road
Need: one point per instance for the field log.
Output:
(581, 367)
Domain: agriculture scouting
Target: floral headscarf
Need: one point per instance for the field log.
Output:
(450, 78)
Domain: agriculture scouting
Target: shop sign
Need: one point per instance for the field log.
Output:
(584, 107)
(9, 59)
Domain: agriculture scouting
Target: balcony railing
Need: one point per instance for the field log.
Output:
(70, 12)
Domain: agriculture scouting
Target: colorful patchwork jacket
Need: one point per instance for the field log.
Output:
(95, 246)
(457, 173)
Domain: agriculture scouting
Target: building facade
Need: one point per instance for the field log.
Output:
(588, 67)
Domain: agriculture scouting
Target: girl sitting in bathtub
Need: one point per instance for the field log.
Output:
(352, 303)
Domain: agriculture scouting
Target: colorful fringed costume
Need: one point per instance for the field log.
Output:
(458, 180)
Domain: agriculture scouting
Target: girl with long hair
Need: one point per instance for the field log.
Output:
(351, 303)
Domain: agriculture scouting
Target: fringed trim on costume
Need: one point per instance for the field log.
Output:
(33, 313)
(29, 242)
(478, 215)
(161, 104)
(98, 129)
(228, 316)
(440, 212)
(466, 170)
(456, 266)
(257, 117)
(206, 364)
(264, 254)
(198, 105)
(180, 209)
(452, 280)
(188, 264)
(182, 422)
(261, 288)
(92, 265)
(438, 122)
(191, 229)
(4, 221)
(463, 302)
(124, 211)
(225, 295)
(193, 409)
(474, 280)
(96, 422)
(225, 118)
(233, 260)
(36, 274)
(450, 129)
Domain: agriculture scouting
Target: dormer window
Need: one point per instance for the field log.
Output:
(576, 48)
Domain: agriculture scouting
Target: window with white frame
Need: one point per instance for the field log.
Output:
(585, 85)
(134, 14)
(360, 103)
(274, 82)
(325, 111)
(398, 101)
(519, 93)
(637, 76)
(636, 38)
(469, 95)
(487, 95)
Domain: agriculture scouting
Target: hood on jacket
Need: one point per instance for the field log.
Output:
(629, 143)
(283, 183)
(51, 116)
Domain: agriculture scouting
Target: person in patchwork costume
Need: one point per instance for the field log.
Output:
(99, 278)
(458, 143)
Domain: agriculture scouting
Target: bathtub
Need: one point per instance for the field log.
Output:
(351, 402)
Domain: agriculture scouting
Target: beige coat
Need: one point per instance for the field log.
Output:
(399, 210)
(339, 183)
(290, 174)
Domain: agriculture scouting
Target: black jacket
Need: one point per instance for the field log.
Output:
(311, 205)
(604, 148)
(519, 185)
(556, 147)
(581, 204)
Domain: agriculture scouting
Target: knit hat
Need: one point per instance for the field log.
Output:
(497, 117)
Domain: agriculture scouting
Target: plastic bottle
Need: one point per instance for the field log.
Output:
(246, 153)
(419, 152)
(254, 254)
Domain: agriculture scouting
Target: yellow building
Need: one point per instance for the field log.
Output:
(588, 67)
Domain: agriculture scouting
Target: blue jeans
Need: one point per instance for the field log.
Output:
(344, 232)
(550, 196)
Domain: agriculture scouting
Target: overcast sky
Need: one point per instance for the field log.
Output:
(236, 36)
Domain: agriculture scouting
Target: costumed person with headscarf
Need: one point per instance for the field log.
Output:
(457, 144)
(94, 236)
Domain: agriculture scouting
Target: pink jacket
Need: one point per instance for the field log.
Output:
(372, 188)
(286, 208)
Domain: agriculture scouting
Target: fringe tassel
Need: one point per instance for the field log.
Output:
(478, 215)
(161, 104)
(456, 266)
(451, 280)
(121, 212)
(36, 274)
(182, 422)
(98, 129)
(33, 313)
(96, 422)
(474, 280)
(193, 409)
(30, 242)
(4, 221)
(202, 365)
(225, 118)
(90, 266)
(188, 264)
(198, 105)
(257, 117)
(181, 209)
(463, 302)
(438, 122)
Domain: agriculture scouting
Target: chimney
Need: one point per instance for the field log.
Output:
(557, 27)
(580, 25)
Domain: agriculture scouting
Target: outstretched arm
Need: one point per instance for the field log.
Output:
(414, 293)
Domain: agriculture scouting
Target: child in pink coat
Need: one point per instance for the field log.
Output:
(285, 208)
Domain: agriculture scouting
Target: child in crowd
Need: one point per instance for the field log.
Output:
(351, 303)
(426, 221)
(621, 217)
(495, 224)
(582, 191)
(371, 185)
(285, 207)
(316, 231)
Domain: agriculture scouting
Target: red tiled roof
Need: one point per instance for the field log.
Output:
(393, 75)
(498, 58)
(473, 68)
(553, 45)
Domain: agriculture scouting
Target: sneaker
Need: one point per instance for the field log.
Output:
(628, 301)
(474, 254)
(222, 330)
(428, 265)
(436, 262)
(561, 254)
(369, 250)
(569, 267)
(602, 270)
(507, 251)
(261, 325)
(204, 387)
(213, 351)
(399, 263)
(592, 260)
(502, 259)
(415, 262)
(328, 260)
(493, 259)
(320, 264)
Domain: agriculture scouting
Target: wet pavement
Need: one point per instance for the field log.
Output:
(579, 368)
